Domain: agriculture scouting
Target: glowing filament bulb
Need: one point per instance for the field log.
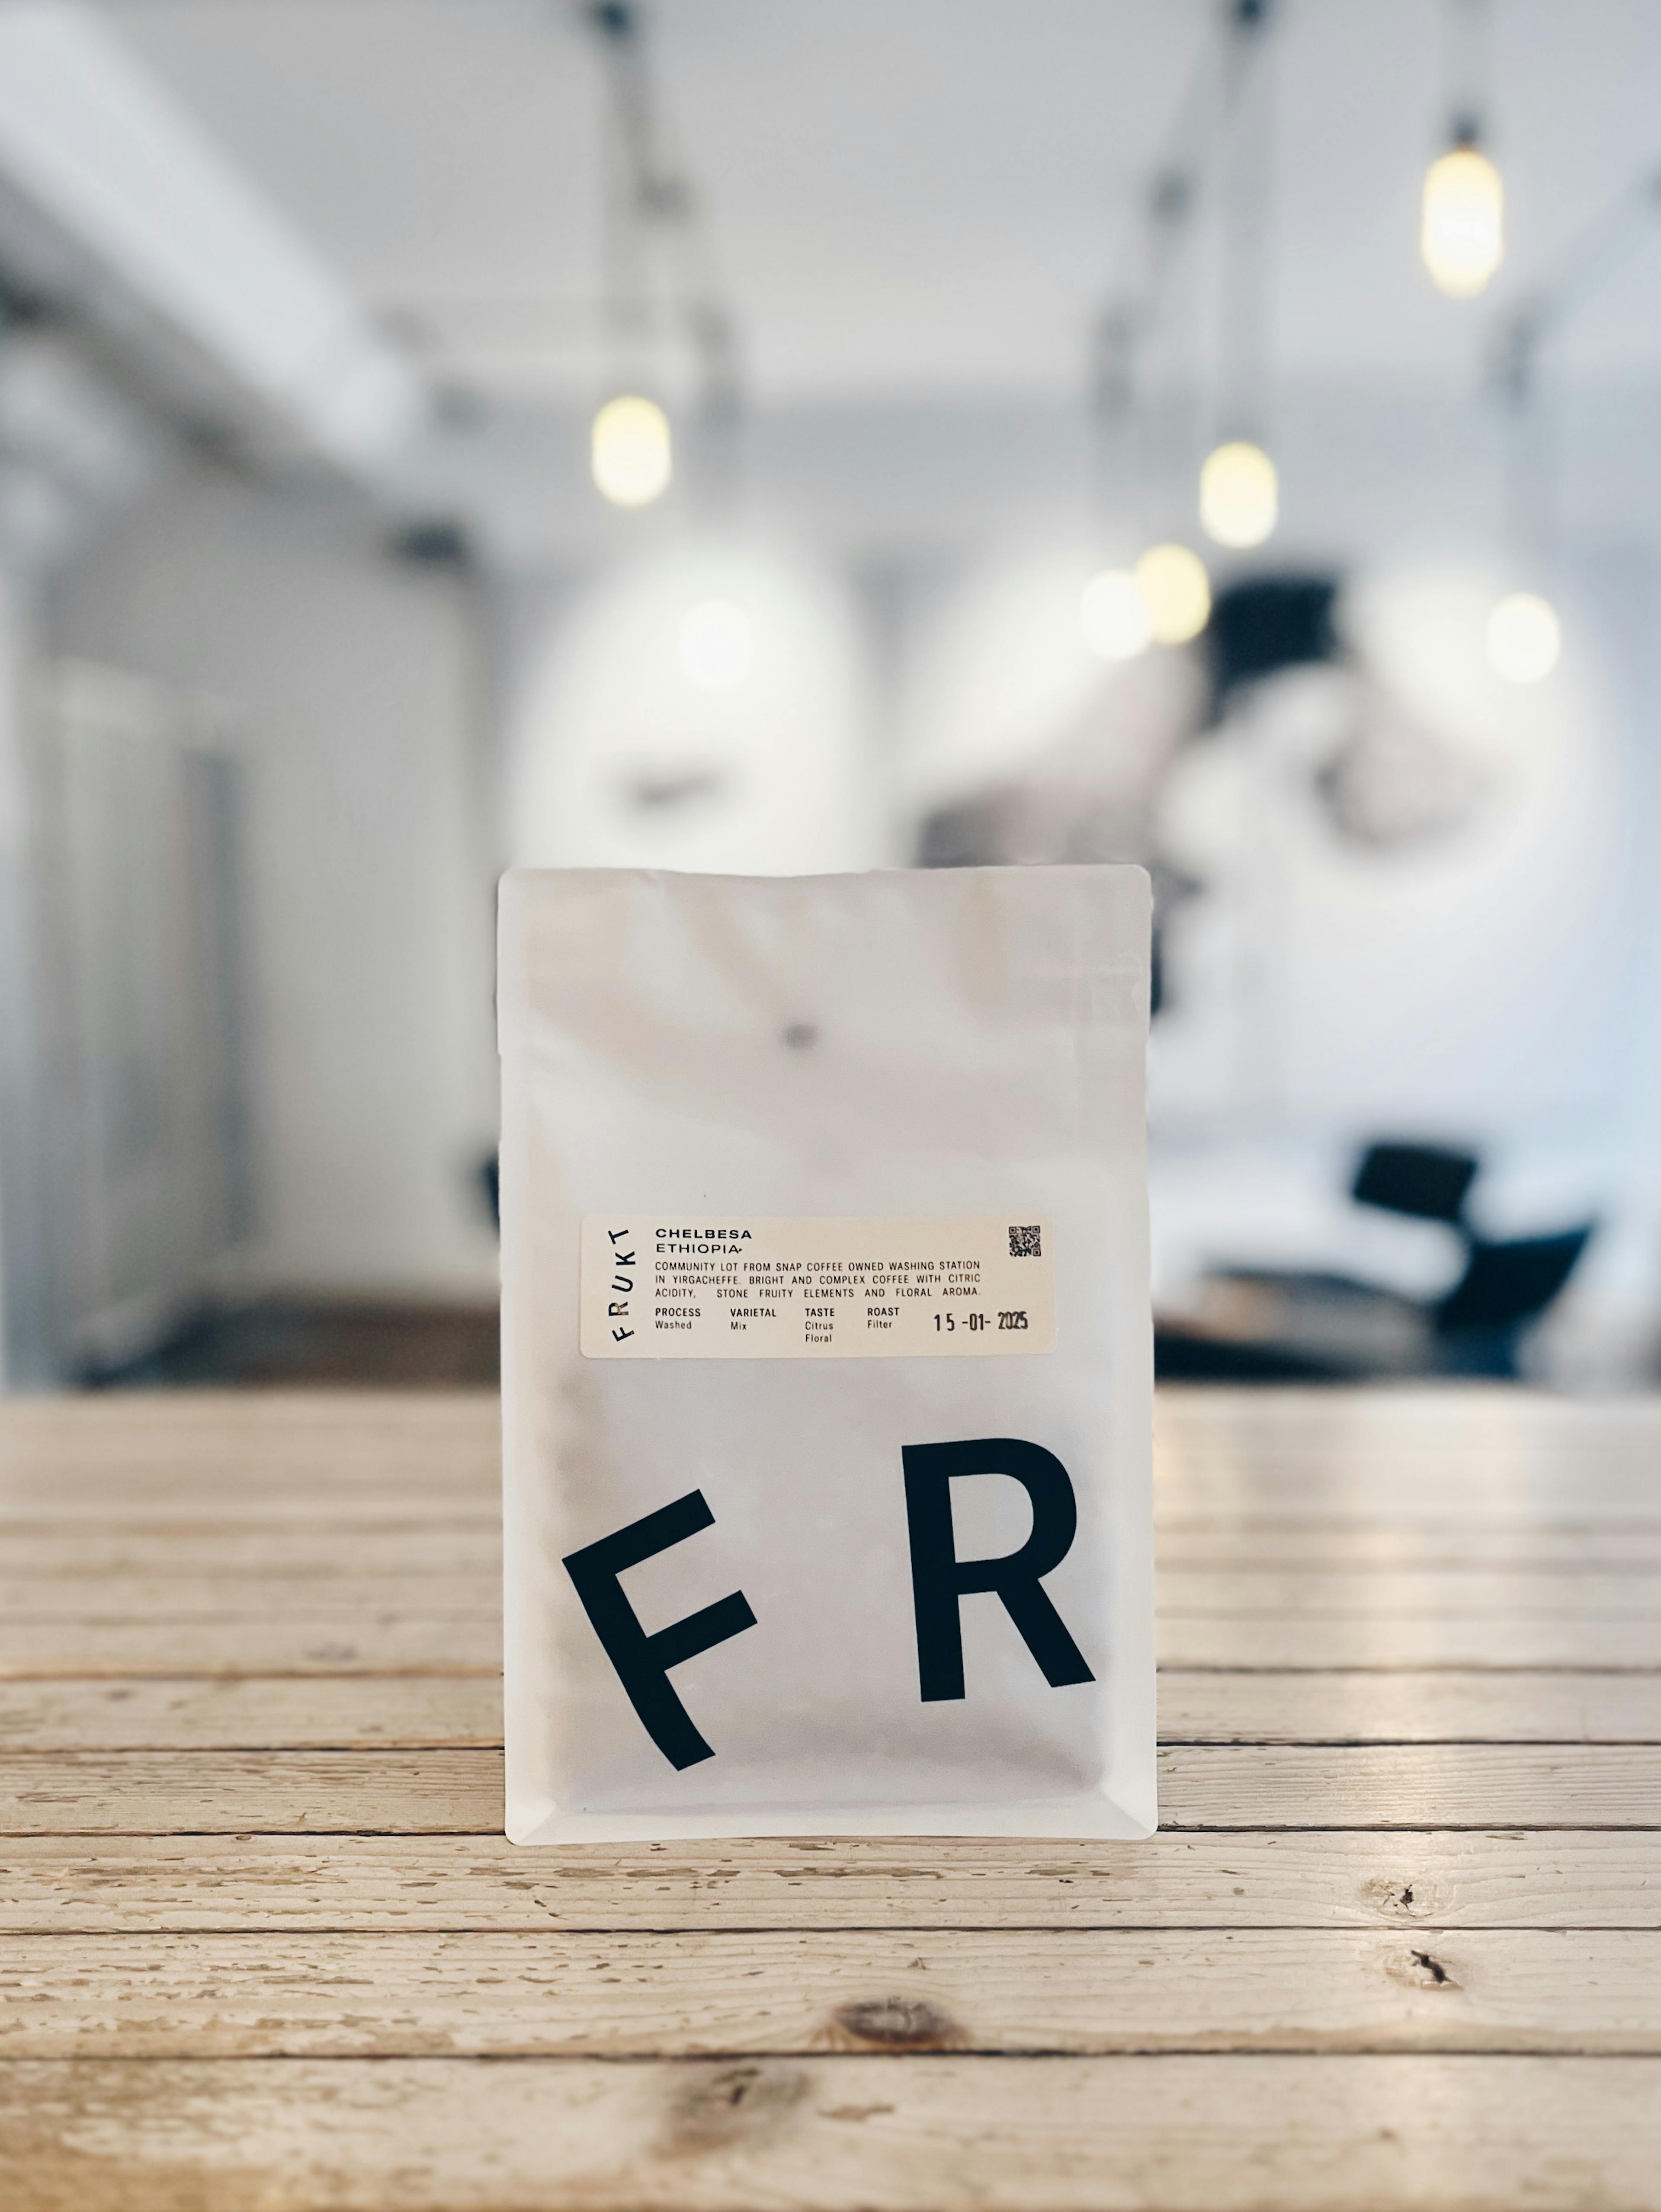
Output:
(631, 451)
(1462, 224)
(1175, 591)
(1239, 494)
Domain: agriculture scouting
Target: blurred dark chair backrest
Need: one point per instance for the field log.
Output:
(1425, 1180)
(1507, 1284)
(1266, 623)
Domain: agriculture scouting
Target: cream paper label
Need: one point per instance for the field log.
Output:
(801, 1288)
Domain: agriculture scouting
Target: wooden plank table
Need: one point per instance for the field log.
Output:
(1397, 1943)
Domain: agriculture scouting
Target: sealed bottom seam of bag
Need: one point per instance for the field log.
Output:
(826, 1355)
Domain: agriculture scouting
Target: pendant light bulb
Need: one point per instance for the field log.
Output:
(1524, 638)
(631, 451)
(1462, 222)
(1175, 591)
(1112, 615)
(1239, 494)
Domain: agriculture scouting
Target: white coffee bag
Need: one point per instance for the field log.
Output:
(826, 1354)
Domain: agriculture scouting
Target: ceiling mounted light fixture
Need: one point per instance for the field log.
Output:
(664, 310)
(1462, 214)
(1239, 488)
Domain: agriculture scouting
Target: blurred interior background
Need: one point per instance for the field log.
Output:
(756, 435)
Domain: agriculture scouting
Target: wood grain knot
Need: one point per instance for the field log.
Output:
(1401, 1900)
(897, 2024)
(717, 2108)
(1435, 1973)
(1421, 1969)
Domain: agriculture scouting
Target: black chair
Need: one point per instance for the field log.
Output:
(1507, 1283)
(1425, 1181)
(1311, 1324)
(1505, 1286)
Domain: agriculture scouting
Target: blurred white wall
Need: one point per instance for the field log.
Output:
(1471, 979)
(356, 682)
(708, 708)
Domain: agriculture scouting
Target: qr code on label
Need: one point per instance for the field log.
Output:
(1027, 1243)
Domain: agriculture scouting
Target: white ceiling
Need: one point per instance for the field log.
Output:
(914, 197)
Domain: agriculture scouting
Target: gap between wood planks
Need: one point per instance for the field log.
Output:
(1224, 1788)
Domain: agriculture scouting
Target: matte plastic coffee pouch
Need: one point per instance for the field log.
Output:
(826, 1354)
